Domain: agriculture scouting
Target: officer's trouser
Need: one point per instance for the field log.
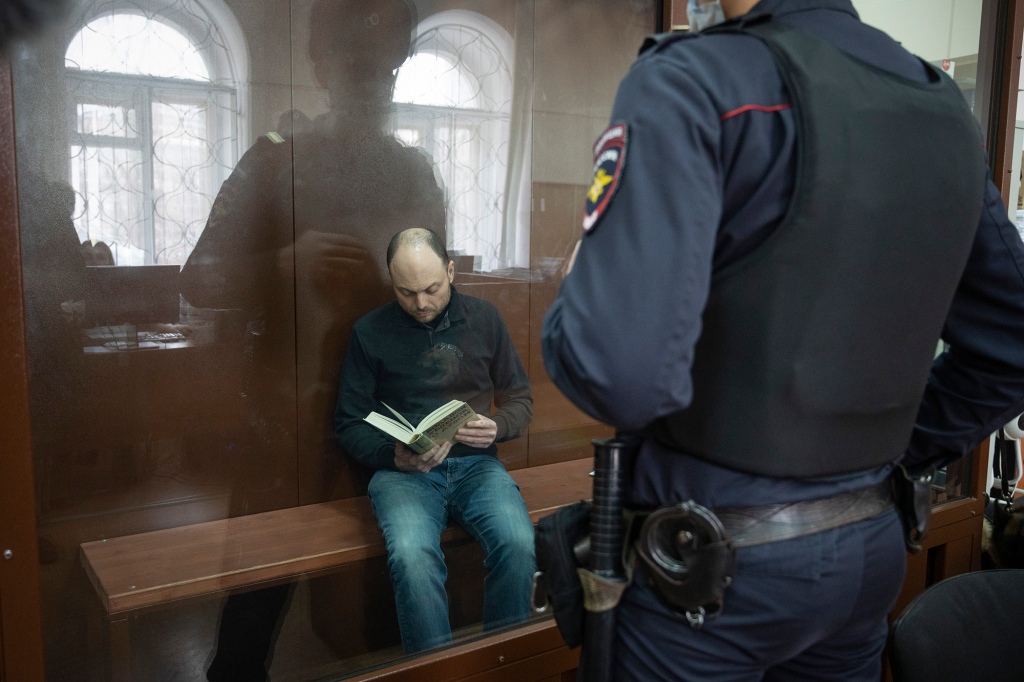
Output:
(811, 608)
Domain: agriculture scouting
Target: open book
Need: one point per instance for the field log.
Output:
(437, 427)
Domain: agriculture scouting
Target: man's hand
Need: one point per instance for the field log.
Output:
(328, 259)
(408, 461)
(478, 433)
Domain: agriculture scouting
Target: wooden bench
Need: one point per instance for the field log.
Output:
(137, 573)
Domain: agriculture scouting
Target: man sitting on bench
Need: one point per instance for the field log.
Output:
(428, 347)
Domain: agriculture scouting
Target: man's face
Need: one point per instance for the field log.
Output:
(421, 281)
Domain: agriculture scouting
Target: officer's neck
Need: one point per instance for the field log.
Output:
(736, 8)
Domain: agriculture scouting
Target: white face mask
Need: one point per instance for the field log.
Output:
(704, 16)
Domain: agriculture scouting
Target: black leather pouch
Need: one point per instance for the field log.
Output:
(556, 581)
(913, 495)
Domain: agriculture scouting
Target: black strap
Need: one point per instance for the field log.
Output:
(1004, 461)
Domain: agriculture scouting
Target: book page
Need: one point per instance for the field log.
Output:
(439, 414)
(389, 426)
(412, 429)
(445, 428)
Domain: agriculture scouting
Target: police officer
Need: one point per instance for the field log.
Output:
(788, 211)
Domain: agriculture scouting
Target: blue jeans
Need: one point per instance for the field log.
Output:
(412, 510)
(812, 608)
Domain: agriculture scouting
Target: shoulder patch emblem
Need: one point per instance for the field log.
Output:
(609, 161)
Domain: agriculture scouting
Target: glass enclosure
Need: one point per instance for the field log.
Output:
(946, 34)
(207, 190)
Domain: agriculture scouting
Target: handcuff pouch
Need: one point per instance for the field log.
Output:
(687, 557)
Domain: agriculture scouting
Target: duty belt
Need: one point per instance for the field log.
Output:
(688, 552)
(748, 526)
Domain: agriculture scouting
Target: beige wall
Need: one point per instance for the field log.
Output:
(932, 29)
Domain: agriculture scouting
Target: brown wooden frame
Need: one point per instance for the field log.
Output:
(20, 618)
(999, 62)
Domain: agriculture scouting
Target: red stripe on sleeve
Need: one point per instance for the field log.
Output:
(754, 107)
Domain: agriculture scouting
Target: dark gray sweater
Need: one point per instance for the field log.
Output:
(415, 368)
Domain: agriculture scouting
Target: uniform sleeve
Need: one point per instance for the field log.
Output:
(512, 396)
(356, 399)
(978, 384)
(619, 339)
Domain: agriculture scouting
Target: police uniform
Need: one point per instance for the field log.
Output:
(696, 172)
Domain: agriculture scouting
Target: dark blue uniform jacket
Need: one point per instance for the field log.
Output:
(707, 176)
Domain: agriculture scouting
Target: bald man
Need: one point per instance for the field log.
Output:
(432, 345)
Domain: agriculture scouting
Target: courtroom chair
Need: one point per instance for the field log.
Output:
(968, 627)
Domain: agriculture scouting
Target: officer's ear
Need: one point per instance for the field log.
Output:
(451, 272)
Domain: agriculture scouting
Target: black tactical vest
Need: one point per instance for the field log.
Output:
(816, 347)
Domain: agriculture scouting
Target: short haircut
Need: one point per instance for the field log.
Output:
(417, 236)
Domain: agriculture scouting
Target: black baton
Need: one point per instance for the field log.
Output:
(596, 659)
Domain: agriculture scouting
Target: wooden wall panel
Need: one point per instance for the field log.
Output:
(20, 619)
(674, 15)
(530, 654)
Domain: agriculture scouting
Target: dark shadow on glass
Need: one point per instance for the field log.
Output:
(292, 255)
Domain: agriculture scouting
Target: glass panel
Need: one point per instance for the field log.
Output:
(208, 191)
(183, 171)
(106, 120)
(430, 79)
(133, 44)
(108, 183)
(947, 34)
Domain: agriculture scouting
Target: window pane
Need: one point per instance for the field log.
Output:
(460, 67)
(182, 173)
(431, 79)
(106, 120)
(133, 44)
(109, 180)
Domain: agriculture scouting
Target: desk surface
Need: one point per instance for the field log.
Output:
(149, 569)
(122, 338)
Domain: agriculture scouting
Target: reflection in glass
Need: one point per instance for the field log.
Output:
(133, 44)
(947, 37)
(152, 137)
(454, 99)
(155, 411)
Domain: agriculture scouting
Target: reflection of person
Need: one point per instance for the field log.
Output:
(25, 18)
(54, 273)
(296, 239)
(297, 235)
(97, 253)
(787, 370)
(430, 346)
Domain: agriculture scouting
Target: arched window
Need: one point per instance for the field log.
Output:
(156, 102)
(453, 97)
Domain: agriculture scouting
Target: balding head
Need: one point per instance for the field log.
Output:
(421, 273)
(416, 237)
